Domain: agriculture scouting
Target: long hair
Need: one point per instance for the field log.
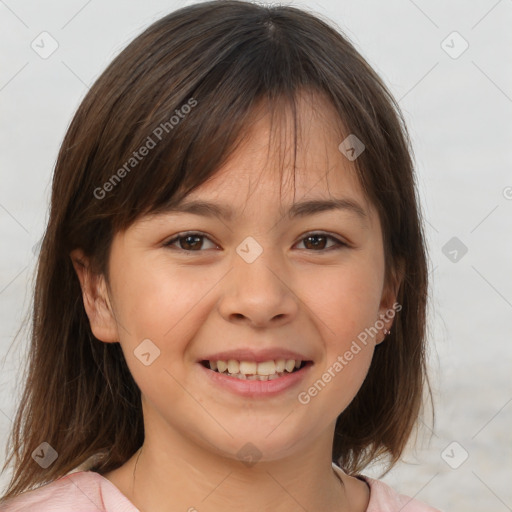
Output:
(186, 88)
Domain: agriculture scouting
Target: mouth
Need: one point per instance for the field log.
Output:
(259, 371)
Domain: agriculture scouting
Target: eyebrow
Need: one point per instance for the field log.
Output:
(296, 210)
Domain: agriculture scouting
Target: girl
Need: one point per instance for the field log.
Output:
(207, 336)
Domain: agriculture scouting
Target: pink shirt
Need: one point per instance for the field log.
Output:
(87, 491)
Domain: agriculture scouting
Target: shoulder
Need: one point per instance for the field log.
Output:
(83, 491)
(385, 499)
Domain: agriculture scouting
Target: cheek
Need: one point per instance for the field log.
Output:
(152, 296)
(345, 299)
(347, 375)
(157, 309)
(156, 302)
(345, 302)
(338, 379)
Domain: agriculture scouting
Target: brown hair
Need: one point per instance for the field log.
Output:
(220, 58)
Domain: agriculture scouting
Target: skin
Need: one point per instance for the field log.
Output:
(294, 296)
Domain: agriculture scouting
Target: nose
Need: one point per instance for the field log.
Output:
(259, 294)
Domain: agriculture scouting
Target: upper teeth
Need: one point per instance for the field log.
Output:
(252, 368)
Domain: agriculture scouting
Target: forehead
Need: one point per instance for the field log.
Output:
(283, 169)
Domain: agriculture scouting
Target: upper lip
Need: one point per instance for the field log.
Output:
(258, 356)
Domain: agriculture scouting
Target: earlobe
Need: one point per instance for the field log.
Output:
(96, 300)
(384, 335)
(389, 305)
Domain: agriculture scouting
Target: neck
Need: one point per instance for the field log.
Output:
(179, 475)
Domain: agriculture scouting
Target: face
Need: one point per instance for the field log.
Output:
(261, 286)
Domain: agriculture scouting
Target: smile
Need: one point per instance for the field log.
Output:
(251, 370)
(257, 380)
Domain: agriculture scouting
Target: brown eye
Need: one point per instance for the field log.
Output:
(189, 242)
(194, 242)
(318, 242)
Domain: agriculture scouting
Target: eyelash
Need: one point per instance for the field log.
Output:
(339, 243)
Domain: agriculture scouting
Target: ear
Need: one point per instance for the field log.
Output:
(96, 299)
(388, 306)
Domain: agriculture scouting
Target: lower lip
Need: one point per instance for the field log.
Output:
(257, 388)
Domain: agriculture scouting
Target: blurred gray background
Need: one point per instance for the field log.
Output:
(449, 64)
